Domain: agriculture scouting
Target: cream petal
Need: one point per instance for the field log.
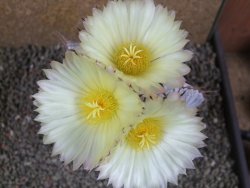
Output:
(156, 166)
(142, 23)
(62, 119)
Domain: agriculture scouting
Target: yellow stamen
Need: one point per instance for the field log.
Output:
(132, 59)
(96, 109)
(98, 106)
(146, 134)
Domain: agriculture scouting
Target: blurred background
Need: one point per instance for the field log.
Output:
(33, 32)
(40, 21)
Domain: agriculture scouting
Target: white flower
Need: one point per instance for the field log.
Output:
(161, 146)
(191, 96)
(142, 43)
(83, 109)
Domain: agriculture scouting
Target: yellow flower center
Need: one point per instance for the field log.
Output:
(132, 59)
(98, 106)
(146, 134)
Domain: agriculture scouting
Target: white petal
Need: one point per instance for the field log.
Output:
(63, 121)
(140, 22)
(156, 166)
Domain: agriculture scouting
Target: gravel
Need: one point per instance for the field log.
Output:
(26, 162)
